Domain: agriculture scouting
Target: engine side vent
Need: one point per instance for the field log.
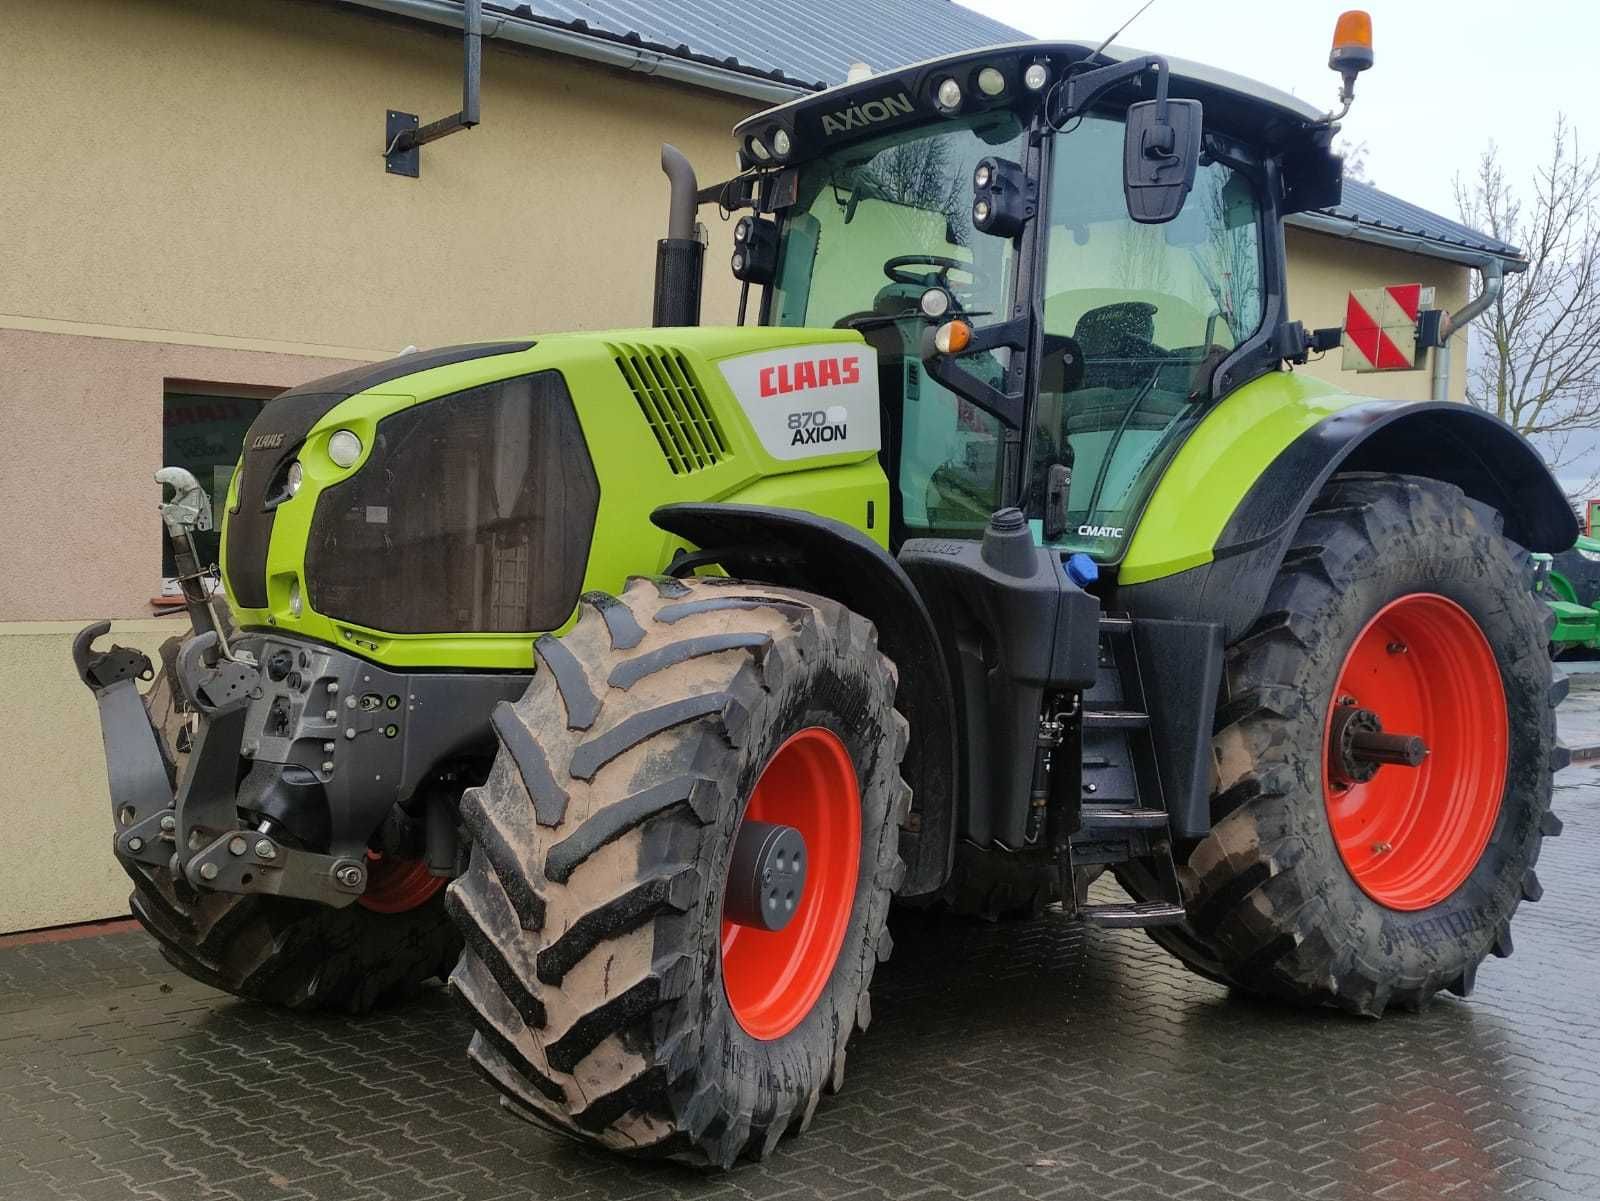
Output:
(674, 405)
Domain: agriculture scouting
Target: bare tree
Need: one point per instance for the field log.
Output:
(1355, 159)
(1537, 361)
(919, 174)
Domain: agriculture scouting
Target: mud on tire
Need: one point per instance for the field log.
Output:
(1272, 907)
(592, 907)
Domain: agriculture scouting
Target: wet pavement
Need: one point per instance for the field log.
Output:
(1040, 1060)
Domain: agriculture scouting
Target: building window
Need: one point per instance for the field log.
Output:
(203, 427)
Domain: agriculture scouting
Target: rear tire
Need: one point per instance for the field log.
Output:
(992, 886)
(599, 969)
(1274, 907)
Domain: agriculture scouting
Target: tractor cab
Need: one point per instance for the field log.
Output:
(1062, 257)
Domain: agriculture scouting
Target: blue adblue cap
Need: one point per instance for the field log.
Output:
(1081, 569)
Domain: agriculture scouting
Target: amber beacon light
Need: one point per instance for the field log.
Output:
(1352, 44)
(1351, 55)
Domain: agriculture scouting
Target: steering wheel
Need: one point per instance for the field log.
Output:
(940, 277)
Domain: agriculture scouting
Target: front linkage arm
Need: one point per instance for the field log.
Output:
(190, 824)
(196, 831)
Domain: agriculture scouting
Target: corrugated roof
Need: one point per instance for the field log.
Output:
(1377, 209)
(808, 43)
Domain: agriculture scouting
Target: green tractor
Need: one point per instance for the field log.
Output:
(1001, 548)
(1570, 584)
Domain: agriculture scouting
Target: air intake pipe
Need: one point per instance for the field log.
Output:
(680, 256)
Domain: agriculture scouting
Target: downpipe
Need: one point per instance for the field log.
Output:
(1493, 275)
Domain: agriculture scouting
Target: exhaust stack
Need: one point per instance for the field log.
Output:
(680, 256)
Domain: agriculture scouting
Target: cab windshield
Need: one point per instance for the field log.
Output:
(873, 226)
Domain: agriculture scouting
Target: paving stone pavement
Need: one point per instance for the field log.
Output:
(1037, 1060)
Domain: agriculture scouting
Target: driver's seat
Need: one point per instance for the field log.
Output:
(1115, 340)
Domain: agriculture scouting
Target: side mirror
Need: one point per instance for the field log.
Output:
(1159, 157)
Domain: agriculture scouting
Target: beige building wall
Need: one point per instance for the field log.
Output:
(1323, 270)
(205, 168)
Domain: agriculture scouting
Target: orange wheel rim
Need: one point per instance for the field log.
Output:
(1410, 836)
(772, 978)
(397, 885)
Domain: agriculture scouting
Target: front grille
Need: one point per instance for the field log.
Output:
(473, 513)
(674, 406)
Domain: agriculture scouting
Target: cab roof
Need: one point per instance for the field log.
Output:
(905, 96)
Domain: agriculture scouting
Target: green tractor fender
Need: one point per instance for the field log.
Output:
(1220, 521)
(796, 549)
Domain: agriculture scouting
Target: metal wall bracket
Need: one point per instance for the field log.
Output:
(397, 161)
(403, 139)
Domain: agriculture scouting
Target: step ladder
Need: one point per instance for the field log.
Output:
(1131, 823)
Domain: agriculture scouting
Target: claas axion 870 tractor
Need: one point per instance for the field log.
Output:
(1000, 547)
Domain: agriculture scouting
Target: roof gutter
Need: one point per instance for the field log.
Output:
(1396, 239)
(507, 27)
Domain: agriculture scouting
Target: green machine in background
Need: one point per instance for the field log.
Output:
(1569, 582)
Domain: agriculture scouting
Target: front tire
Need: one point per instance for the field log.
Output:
(296, 954)
(614, 1000)
(1401, 598)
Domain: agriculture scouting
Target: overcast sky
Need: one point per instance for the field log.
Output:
(1448, 77)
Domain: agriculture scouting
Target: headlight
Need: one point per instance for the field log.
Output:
(344, 448)
(759, 150)
(296, 477)
(949, 95)
(1036, 76)
(294, 599)
(991, 82)
(781, 144)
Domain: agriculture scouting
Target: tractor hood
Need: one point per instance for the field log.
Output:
(440, 509)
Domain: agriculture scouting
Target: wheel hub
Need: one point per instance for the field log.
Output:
(791, 883)
(1358, 746)
(767, 876)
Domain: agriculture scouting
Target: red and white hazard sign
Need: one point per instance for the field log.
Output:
(1380, 327)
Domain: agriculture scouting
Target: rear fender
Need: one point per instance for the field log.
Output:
(1228, 580)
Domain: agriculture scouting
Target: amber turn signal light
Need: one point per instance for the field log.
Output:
(952, 337)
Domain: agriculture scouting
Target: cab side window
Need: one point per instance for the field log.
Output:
(1137, 317)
